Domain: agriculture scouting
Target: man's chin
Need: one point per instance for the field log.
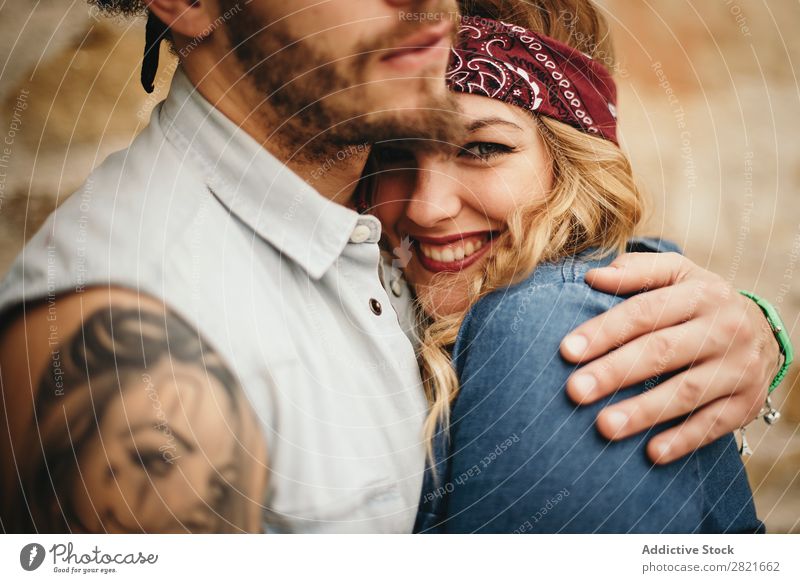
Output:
(411, 89)
(396, 115)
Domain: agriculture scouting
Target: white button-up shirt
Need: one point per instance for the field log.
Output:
(283, 282)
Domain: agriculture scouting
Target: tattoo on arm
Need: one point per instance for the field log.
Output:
(139, 426)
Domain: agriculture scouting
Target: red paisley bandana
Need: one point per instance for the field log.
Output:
(534, 72)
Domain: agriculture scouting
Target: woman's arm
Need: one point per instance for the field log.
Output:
(525, 458)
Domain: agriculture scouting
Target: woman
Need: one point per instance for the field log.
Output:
(503, 229)
(173, 450)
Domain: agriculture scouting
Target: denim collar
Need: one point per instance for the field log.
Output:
(252, 184)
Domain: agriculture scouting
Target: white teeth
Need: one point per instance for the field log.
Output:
(450, 253)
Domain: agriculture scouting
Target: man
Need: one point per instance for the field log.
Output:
(230, 214)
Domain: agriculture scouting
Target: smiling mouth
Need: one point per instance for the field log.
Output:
(453, 253)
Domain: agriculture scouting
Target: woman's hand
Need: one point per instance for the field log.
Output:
(685, 317)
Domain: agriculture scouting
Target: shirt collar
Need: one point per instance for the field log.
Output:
(255, 186)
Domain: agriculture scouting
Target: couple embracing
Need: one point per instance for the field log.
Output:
(244, 323)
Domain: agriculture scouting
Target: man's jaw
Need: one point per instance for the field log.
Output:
(310, 113)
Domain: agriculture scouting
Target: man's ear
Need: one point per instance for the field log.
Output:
(189, 18)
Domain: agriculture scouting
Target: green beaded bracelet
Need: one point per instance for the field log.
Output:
(779, 330)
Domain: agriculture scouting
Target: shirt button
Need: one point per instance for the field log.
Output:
(397, 288)
(375, 306)
(360, 234)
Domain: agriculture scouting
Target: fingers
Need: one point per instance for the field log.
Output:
(675, 397)
(705, 426)
(643, 358)
(633, 272)
(634, 317)
(687, 317)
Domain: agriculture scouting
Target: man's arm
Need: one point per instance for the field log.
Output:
(687, 318)
(117, 416)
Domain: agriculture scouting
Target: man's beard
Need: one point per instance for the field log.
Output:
(300, 86)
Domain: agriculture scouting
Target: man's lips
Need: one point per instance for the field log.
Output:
(452, 252)
(420, 47)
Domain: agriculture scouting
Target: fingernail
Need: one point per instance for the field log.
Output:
(662, 450)
(583, 385)
(576, 344)
(617, 420)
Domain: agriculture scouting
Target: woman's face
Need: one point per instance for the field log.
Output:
(450, 205)
(169, 458)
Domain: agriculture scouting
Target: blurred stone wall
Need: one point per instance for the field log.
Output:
(709, 109)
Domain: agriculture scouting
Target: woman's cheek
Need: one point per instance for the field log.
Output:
(388, 214)
(520, 181)
(393, 186)
(491, 191)
(493, 206)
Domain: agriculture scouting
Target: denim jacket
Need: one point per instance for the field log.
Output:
(521, 457)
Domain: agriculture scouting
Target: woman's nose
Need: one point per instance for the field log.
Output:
(434, 199)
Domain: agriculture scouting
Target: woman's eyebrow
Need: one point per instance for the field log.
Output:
(491, 121)
(160, 428)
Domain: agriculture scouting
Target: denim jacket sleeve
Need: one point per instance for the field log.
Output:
(524, 458)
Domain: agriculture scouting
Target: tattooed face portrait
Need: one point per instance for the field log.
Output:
(144, 429)
(168, 460)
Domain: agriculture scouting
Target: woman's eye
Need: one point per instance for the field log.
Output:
(218, 493)
(484, 150)
(153, 462)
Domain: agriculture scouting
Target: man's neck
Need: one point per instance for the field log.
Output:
(332, 170)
